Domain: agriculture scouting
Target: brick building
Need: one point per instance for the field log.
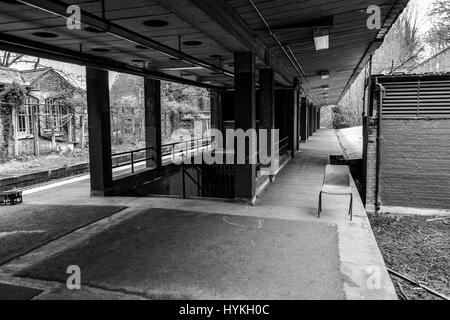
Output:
(57, 124)
(407, 149)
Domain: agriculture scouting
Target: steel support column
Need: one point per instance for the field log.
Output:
(152, 92)
(291, 118)
(303, 119)
(216, 110)
(99, 124)
(267, 110)
(245, 118)
(318, 118)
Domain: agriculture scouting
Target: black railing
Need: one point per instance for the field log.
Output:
(182, 148)
(201, 191)
(283, 145)
(185, 146)
(216, 180)
(133, 160)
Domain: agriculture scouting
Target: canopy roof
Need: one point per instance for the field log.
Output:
(193, 40)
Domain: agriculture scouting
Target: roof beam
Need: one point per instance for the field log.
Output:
(219, 21)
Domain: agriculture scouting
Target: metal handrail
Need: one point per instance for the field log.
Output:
(132, 161)
(191, 142)
(197, 183)
(284, 144)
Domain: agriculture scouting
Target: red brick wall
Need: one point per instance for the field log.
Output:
(415, 163)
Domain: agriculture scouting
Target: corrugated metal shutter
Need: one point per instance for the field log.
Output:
(417, 99)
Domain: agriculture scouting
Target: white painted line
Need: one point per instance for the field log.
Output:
(55, 184)
(8, 233)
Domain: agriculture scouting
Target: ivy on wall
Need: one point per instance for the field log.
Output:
(12, 96)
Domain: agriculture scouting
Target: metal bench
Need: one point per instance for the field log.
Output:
(336, 181)
(11, 197)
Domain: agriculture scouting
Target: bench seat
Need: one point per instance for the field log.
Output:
(11, 197)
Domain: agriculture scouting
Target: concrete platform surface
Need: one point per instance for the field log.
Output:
(351, 140)
(294, 254)
(172, 254)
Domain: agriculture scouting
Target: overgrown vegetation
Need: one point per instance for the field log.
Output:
(30, 163)
(438, 38)
(178, 102)
(11, 97)
(418, 247)
(345, 116)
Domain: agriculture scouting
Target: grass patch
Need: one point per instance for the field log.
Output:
(29, 163)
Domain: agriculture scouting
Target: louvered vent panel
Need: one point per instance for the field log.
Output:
(417, 99)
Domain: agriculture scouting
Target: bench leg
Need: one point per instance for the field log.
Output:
(350, 209)
(320, 205)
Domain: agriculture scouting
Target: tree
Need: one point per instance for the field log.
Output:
(10, 59)
(438, 38)
(403, 46)
(11, 97)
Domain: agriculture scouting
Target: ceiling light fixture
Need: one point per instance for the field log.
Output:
(321, 39)
(325, 74)
(192, 43)
(100, 49)
(42, 34)
(155, 23)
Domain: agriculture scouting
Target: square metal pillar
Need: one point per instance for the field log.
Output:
(318, 118)
(314, 119)
(303, 119)
(245, 118)
(99, 125)
(216, 110)
(298, 119)
(291, 118)
(152, 93)
(267, 109)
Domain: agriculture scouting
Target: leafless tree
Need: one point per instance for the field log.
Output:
(403, 45)
(10, 59)
(438, 38)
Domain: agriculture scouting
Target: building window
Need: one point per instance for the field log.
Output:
(53, 115)
(25, 116)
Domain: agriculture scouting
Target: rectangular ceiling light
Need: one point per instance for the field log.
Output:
(321, 39)
(325, 75)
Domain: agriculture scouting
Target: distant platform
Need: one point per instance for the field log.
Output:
(351, 140)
